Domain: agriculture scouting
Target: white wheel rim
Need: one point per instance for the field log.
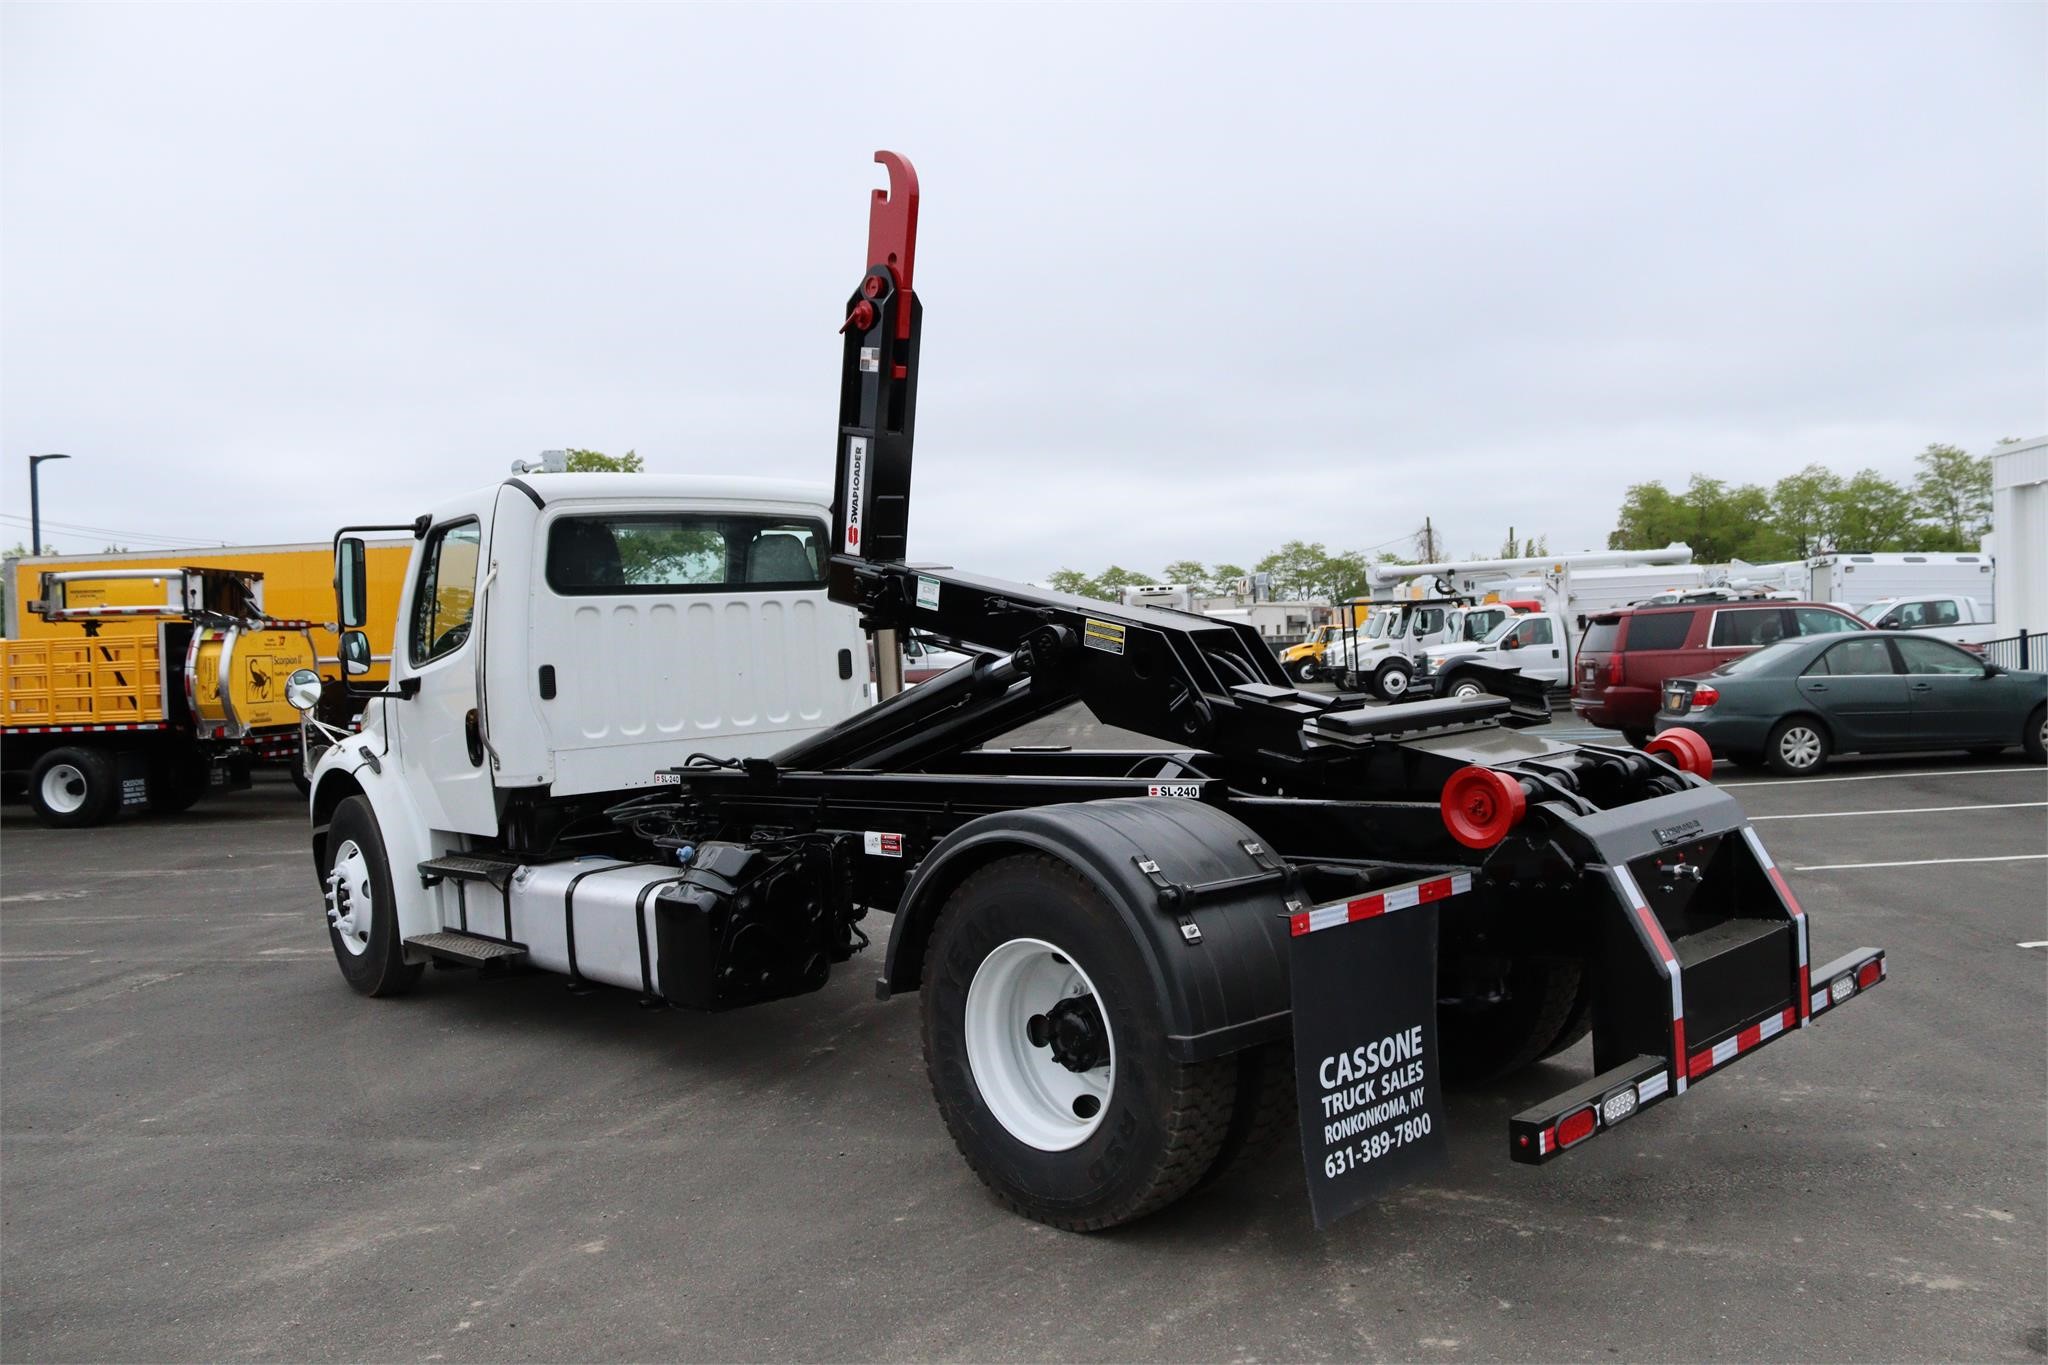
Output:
(1799, 747)
(350, 907)
(64, 788)
(1393, 682)
(1466, 691)
(1037, 1098)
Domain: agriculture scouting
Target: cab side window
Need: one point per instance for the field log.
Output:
(1536, 631)
(446, 599)
(1932, 656)
(1814, 621)
(1748, 629)
(1854, 658)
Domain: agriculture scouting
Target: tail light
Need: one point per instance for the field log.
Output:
(1614, 670)
(1685, 749)
(1704, 696)
(1480, 806)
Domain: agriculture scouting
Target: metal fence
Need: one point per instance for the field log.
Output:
(2018, 651)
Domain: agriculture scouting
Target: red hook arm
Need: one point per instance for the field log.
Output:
(892, 231)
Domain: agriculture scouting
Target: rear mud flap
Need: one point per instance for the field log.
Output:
(1367, 1070)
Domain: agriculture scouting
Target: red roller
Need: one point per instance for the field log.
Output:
(1686, 750)
(1480, 806)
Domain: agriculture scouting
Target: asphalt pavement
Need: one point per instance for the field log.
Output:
(210, 1148)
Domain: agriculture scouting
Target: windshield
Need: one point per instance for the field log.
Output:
(1500, 632)
(1377, 626)
(1869, 610)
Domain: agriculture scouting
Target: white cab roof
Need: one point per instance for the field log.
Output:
(683, 487)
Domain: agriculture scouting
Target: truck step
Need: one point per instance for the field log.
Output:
(481, 866)
(470, 950)
(1736, 972)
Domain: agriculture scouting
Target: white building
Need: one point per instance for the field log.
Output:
(2019, 533)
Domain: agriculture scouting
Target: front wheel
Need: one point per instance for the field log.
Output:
(1798, 747)
(1464, 689)
(72, 788)
(362, 911)
(1046, 1048)
(1391, 682)
(2034, 739)
(1305, 670)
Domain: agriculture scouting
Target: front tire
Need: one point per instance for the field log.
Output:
(72, 788)
(1797, 747)
(1305, 670)
(2034, 739)
(362, 910)
(1046, 1048)
(1464, 689)
(1391, 682)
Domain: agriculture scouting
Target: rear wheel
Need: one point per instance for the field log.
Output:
(72, 788)
(2035, 737)
(1046, 1049)
(177, 780)
(362, 911)
(1798, 747)
(1529, 1017)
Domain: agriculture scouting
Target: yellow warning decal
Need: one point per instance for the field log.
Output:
(1107, 636)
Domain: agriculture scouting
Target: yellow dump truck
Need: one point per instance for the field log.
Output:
(291, 582)
(143, 689)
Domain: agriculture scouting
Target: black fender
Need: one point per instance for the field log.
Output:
(1222, 988)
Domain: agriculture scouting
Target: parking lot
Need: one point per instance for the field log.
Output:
(214, 1149)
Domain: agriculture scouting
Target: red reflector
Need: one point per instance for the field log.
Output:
(1480, 806)
(1575, 1129)
(1869, 974)
(1614, 673)
(1704, 696)
(1686, 750)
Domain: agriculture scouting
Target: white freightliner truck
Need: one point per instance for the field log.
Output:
(624, 740)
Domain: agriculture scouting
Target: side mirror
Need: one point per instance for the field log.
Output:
(1993, 670)
(355, 654)
(1512, 642)
(302, 689)
(351, 582)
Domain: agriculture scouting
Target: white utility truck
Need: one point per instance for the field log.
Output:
(1959, 620)
(624, 739)
(1851, 580)
(1379, 657)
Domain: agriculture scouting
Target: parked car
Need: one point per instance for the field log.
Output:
(1794, 704)
(925, 659)
(1624, 657)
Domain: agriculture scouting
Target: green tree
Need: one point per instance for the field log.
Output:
(1875, 514)
(597, 462)
(1952, 497)
(1650, 518)
(1806, 509)
(1188, 571)
(1072, 582)
(1719, 522)
(1116, 576)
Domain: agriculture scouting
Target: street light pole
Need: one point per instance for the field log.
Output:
(35, 501)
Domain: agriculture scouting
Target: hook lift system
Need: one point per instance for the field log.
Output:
(1135, 967)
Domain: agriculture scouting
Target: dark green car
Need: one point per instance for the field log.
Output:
(1791, 705)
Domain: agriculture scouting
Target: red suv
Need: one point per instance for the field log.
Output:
(1625, 656)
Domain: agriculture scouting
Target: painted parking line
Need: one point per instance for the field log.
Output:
(1898, 810)
(1921, 862)
(1881, 777)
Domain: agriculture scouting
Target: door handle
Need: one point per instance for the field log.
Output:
(474, 734)
(1816, 687)
(547, 682)
(1923, 687)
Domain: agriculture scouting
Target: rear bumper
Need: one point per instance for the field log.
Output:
(1723, 734)
(1564, 1121)
(1619, 708)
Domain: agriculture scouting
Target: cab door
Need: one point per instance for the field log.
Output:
(438, 728)
(1858, 690)
(1538, 651)
(1953, 699)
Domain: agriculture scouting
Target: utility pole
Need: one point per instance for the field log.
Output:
(35, 501)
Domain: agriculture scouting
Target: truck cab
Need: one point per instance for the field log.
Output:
(1537, 643)
(1383, 657)
(1947, 616)
(563, 637)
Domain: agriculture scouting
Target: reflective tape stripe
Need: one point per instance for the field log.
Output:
(1632, 896)
(1379, 903)
(1728, 1049)
(1653, 1087)
(1793, 908)
(85, 729)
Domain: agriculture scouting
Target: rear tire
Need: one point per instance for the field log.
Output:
(1265, 1112)
(2034, 739)
(1078, 1145)
(362, 910)
(72, 788)
(1798, 747)
(177, 779)
(1538, 1009)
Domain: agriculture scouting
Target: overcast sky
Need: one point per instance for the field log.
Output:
(1197, 281)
